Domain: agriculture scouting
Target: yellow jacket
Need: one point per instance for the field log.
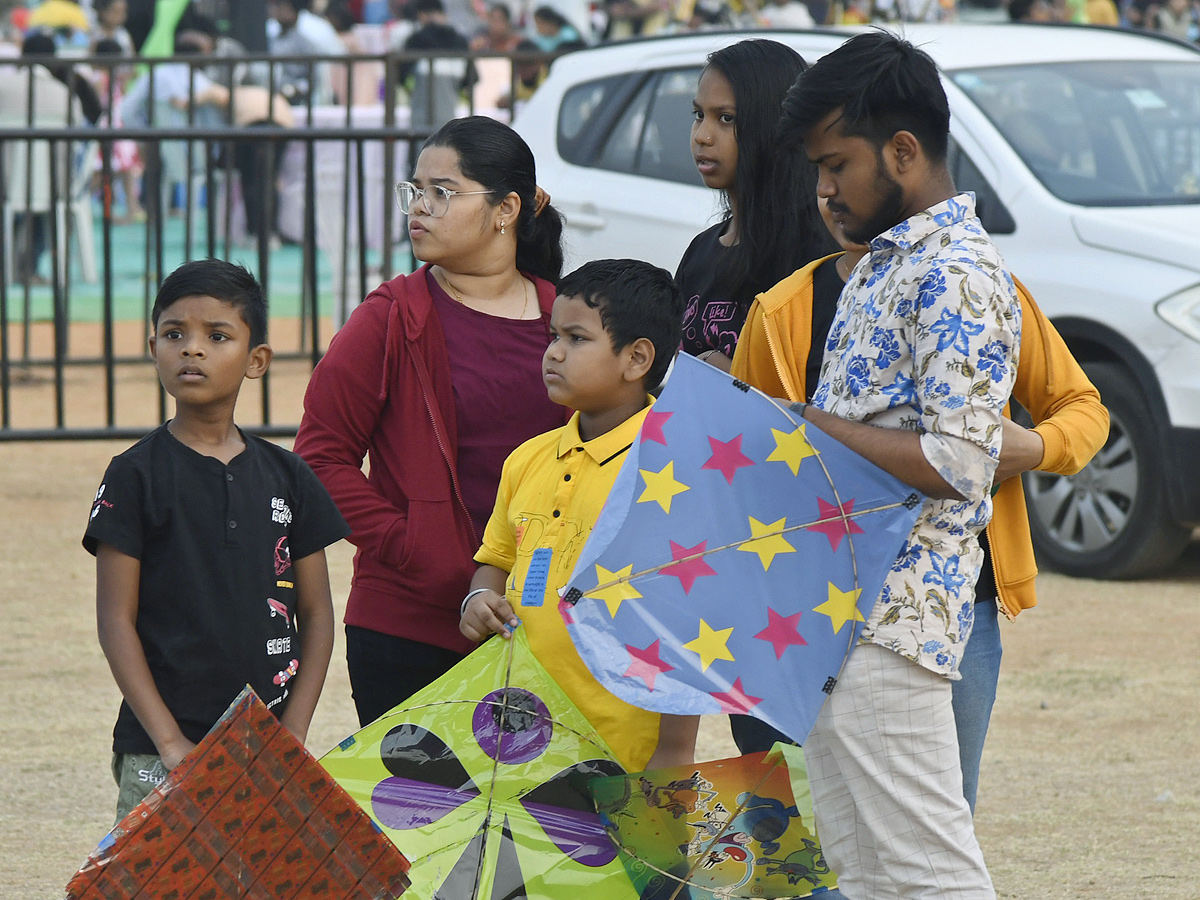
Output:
(773, 350)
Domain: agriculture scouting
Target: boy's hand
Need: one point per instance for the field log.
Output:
(173, 753)
(487, 613)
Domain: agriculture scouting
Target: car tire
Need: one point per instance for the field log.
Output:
(1112, 519)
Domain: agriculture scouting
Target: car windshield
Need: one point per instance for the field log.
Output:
(1099, 133)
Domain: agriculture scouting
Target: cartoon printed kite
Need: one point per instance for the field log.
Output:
(732, 828)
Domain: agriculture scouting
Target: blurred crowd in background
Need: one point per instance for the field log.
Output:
(230, 79)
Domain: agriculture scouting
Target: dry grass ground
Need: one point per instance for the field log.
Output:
(1090, 787)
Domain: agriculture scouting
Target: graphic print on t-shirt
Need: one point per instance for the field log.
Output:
(282, 646)
(714, 324)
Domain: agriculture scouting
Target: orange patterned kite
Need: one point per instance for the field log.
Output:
(248, 814)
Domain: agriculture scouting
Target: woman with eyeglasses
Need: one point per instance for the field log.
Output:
(435, 379)
(770, 226)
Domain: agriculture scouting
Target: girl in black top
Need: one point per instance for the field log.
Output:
(771, 226)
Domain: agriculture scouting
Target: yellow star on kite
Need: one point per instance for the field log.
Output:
(791, 447)
(841, 607)
(614, 594)
(767, 548)
(710, 645)
(661, 486)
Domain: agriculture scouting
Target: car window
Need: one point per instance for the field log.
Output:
(621, 149)
(652, 135)
(1099, 133)
(580, 107)
(993, 214)
(666, 140)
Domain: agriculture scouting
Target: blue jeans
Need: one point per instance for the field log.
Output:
(975, 694)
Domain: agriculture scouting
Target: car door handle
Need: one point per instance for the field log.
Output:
(587, 219)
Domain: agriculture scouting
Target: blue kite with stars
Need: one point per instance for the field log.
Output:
(736, 559)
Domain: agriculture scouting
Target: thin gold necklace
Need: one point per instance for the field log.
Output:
(459, 297)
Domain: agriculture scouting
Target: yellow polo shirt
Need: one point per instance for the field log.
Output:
(551, 492)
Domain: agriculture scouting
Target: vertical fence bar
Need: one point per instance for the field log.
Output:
(5, 277)
(110, 397)
(389, 163)
(57, 287)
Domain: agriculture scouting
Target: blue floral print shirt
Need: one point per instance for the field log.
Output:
(925, 338)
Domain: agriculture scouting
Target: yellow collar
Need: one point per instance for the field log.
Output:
(608, 445)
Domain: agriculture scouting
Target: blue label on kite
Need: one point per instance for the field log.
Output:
(534, 592)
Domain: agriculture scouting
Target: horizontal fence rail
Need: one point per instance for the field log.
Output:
(307, 205)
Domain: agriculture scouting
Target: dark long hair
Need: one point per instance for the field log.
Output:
(496, 156)
(775, 192)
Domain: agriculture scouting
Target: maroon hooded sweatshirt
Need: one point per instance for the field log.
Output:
(383, 391)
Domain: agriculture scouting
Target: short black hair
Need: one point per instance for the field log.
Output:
(428, 6)
(882, 84)
(635, 300)
(227, 282)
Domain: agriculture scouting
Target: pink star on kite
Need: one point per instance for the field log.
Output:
(652, 427)
(727, 457)
(566, 610)
(736, 700)
(837, 529)
(782, 632)
(688, 572)
(646, 664)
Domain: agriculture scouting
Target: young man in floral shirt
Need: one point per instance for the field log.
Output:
(920, 360)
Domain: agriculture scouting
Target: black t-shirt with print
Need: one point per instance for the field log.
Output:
(710, 321)
(217, 598)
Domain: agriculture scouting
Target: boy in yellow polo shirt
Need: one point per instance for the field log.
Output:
(615, 327)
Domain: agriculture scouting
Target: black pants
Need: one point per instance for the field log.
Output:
(258, 164)
(385, 670)
(754, 735)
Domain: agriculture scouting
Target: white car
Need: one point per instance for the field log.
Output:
(1082, 146)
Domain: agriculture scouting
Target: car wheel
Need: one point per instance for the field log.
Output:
(1112, 519)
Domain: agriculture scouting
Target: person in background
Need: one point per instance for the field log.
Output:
(1177, 18)
(66, 19)
(1102, 12)
(435, 379)
(126, 161)
(40, 43)
(229, 67)
(367, 76)
(785, 14)
(435, 84)
(635, 18)
(1031, 11)
(771, 226)
(28, 164)
(303, 33)
(553, 32)
(111, 16)
(498, 36)
(529, 76)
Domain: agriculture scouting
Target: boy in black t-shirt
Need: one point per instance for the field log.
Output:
(209, 543)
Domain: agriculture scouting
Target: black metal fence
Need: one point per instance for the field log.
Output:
(220, 179)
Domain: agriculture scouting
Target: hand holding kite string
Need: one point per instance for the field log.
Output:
(485, 610)
(735, 547)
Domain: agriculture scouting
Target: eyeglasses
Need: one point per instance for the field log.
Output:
(435, 197)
